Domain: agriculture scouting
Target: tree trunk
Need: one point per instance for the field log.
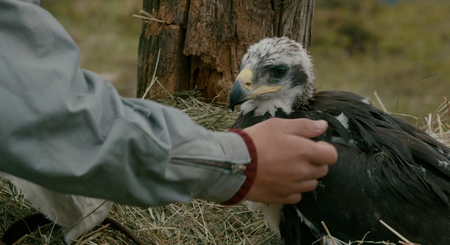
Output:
(202, 41)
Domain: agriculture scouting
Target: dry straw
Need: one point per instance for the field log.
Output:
(199, 222)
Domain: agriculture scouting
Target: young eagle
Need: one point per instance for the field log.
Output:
(387, 169)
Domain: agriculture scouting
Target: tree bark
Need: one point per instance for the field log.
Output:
(202, 41)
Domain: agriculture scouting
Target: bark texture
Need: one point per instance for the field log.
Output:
(202, 41)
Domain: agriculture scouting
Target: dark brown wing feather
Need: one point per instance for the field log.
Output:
(387, 169)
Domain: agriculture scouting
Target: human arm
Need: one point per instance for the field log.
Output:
(67, 129)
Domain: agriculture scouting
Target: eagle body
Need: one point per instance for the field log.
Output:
(387, 169)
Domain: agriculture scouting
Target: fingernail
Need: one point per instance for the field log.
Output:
(321, 124)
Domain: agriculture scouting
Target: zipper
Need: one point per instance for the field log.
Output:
(233, 168)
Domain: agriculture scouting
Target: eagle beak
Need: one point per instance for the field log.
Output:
(243, 90)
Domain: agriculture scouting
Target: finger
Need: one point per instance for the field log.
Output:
(292, 199)
(307, 185)
(303, 127)
(274, 198)
(288, 199)
(314, 171)
(316, 152)
(323, 153)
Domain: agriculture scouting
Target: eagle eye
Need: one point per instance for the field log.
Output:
(278, 71)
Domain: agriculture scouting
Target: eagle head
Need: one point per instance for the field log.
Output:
(274, 74)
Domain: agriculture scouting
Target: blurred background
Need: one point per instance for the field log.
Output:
(107, 35)
(401, 49)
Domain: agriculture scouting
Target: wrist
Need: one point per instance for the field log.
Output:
(250, 171)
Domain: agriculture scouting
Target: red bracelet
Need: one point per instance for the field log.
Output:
(250, 171)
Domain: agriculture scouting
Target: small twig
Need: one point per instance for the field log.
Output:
(328, 232)
(379, 101)
(405, 115)
(441, 132)
(76, 223)
(405, 243)
(91, 233)
(27, 236)
(154, 76)
(89, 239)
(53, 226)
(215, 121)
(215, 97)
(147, 18)
(143, 12)
(395, 232)
(167, 91)
(364, 238)
(430, 122)
(446, 102)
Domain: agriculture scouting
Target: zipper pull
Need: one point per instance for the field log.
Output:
(238, 168)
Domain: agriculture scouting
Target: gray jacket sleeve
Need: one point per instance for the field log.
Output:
(67, 129)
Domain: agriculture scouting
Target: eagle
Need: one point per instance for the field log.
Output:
(387, 169)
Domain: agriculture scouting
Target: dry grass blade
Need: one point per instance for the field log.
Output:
(436, 124)
(447, 105)
(76, 223)
(328, 232)
(154, 76)
(380, 102)
(406, 241)
(364, 238)
(147, 16)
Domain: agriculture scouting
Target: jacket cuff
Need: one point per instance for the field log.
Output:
(250, 171)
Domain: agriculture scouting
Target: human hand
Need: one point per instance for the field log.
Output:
(289, 163)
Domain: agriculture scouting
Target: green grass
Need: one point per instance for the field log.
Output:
(406, 57)
(107, 35)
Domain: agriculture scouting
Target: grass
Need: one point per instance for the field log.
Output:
(401, 51)
(107, 35)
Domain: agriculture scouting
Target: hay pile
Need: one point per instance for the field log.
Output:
(198, 222)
